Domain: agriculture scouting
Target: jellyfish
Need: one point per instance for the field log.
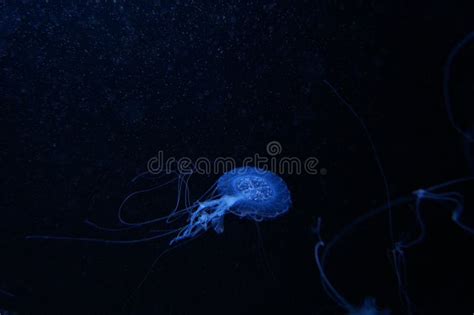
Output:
(247, 192)
(452, 200)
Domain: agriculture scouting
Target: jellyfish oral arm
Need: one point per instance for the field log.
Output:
(208, 214)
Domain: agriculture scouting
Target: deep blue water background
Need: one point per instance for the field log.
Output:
(89, 91)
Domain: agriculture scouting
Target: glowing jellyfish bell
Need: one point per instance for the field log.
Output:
(247, 192)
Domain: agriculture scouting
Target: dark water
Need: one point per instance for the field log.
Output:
(91, 90)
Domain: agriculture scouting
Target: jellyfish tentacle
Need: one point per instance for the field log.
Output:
(6, 293)
(208, 214)
(375, 153)
(469, 38)
(368, 306)
(100, 240)
(120, 216)
(328, 287)
(452, 200)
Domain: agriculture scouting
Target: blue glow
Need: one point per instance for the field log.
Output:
(259, 194)
(453, 200)
(247, 192)
(455, 204)
(367, 308)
